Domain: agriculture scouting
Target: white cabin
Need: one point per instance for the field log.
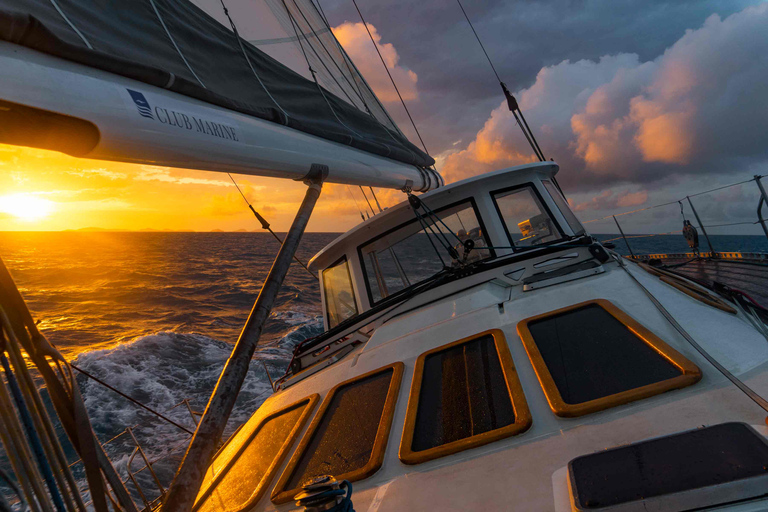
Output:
(507, 373)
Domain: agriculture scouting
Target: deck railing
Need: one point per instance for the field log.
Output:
(700, 226)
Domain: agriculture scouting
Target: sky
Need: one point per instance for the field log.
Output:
(640, 103)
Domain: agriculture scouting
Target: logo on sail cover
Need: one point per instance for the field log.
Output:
(141, 103)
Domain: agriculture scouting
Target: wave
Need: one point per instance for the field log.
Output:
(162, 370)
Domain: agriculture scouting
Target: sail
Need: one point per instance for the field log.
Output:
(265, 60)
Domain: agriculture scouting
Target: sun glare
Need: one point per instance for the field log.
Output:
(26, 207)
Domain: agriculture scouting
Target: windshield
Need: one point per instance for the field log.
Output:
(340, 301)
(408, 255)
(526, 219)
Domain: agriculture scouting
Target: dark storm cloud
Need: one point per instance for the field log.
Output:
(457, 89)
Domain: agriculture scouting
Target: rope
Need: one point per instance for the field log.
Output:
(250, 65)
(132, 400)
(383, 62)
(265, 224)
(178, 50)
(357, 205)
(367, 201)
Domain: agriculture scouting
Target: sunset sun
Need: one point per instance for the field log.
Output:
(26, 207)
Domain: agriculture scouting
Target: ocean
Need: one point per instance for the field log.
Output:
(154, 314)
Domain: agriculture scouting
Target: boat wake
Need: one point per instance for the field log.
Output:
(174, 373)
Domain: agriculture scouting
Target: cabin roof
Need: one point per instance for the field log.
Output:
(381, 221)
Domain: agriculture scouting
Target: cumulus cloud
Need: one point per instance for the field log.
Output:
(355, 40)
(697, 108)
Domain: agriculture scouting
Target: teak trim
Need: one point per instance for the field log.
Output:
(699, 294)
(282, 495)
(308, 404)
(690, 372)
(519, 405)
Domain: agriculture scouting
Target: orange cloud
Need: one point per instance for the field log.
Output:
(608, 200)
(355, 40)
(694, 109)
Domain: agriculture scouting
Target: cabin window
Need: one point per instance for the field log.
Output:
(348, 436)
(592, 356)
(562, 205)
(340, 302)
(464, 394)
(408, 254)
(525, 216)
(241, 473)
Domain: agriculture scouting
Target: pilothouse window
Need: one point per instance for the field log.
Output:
(562, 205)
(340, 301)
(410, 254)
(526, 219)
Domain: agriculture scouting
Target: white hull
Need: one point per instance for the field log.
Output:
(176, 131)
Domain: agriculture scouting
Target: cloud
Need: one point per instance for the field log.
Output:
(153, 173)
(699, 108)
(355, 40)
(609, 200)
(103, 173)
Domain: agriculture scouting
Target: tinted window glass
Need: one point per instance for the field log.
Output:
(344, 439)
(591, 354)
(242, 469)
(463, 394)
(409, 255)
(562, 205)
(525, 218)
(340, 301)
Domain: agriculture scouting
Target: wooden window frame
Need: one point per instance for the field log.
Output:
(266, 480)
(700, 294)
(523, 419)
(690, 373)
(282, 495)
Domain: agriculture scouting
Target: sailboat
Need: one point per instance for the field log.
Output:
(482, 350)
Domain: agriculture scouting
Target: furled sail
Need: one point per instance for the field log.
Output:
(253, 86)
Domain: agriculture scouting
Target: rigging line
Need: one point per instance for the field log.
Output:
(366, 200)
(309, 25)
(752, 394)
(250, 65)
(351, 64)
(378, 205)
(672, 202)
(178, 50)
(265, 224)
(133, 400)
(511, 101)
(383, 62)
(479, 41)
(294, 24)
(357, 205)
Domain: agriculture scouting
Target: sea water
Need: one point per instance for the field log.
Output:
(155, 315)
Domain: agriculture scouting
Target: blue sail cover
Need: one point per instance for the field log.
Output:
(191, 49)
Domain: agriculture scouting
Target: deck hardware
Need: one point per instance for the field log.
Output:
(701, 225)
(266, 370)
(315, 444)
(325, 494)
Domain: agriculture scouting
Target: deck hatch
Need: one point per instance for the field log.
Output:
(241, 473)
(592, 356)
(348, 437)
(464, 394)
(712, 465)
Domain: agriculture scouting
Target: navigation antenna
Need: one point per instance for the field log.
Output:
(511, 101)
